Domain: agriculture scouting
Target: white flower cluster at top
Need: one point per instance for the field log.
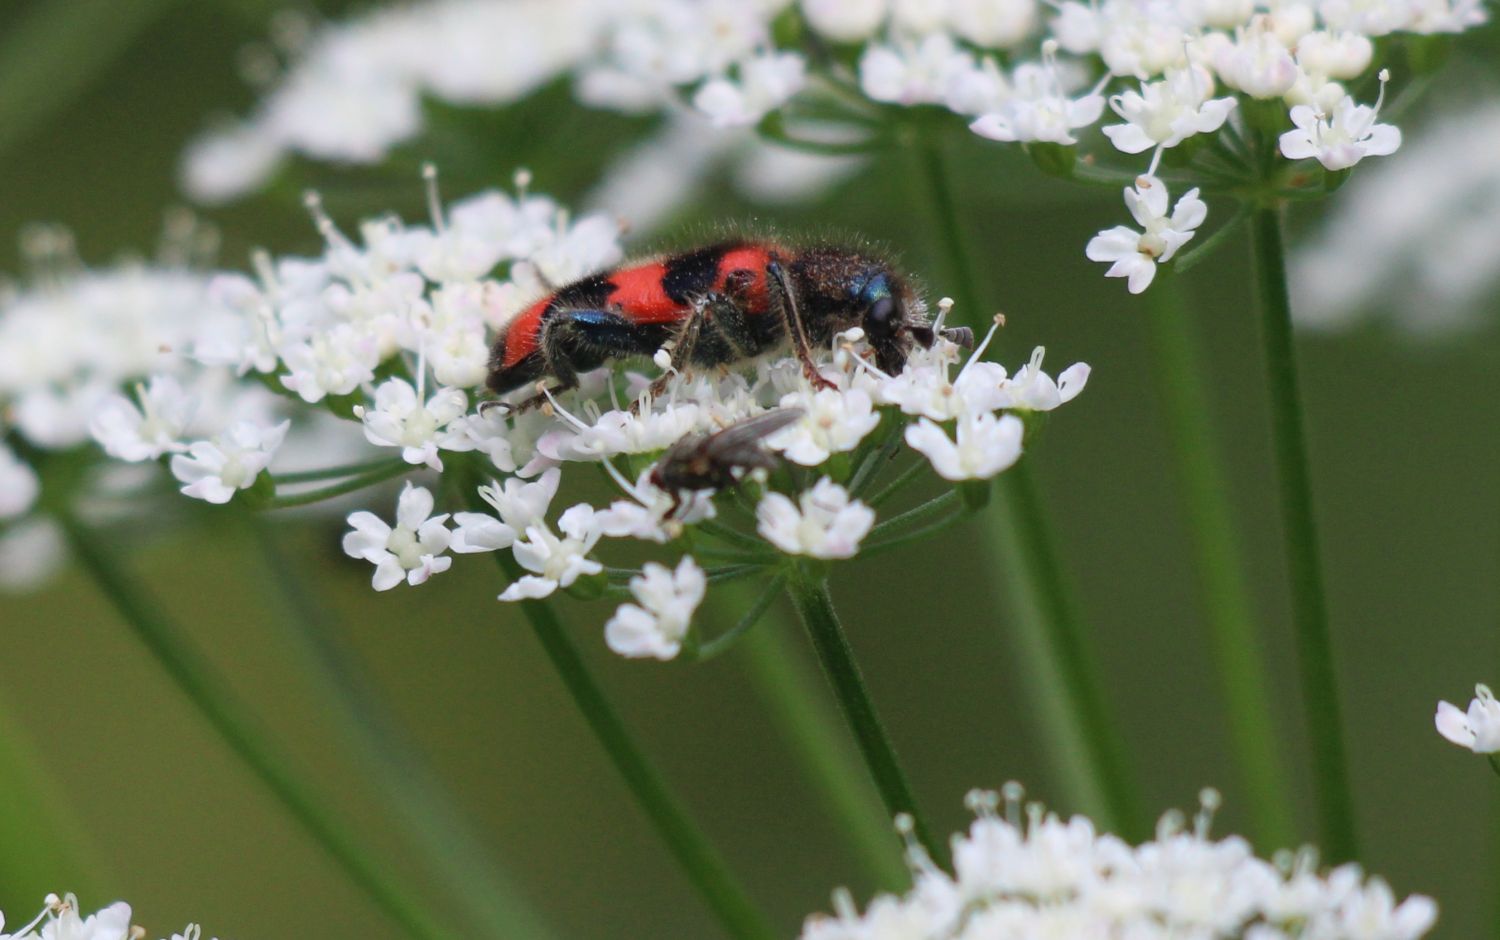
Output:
(1237, 75)
(1026, 874)
(392, 332)
(60, 920)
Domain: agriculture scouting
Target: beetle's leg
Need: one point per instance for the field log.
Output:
(683, 345)
(791, 319)
(574, 341)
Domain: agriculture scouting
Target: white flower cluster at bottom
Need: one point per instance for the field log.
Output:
(60, 920)
(1028, 874)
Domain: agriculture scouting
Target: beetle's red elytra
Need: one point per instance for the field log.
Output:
(717, 305)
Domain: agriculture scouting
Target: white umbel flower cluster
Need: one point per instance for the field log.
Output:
(354, 90)
(61, 919)
(1235, 76)
(392, 332)
(97, 356)
(1022, 873)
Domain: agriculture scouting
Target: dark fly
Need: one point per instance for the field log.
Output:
(704, 461)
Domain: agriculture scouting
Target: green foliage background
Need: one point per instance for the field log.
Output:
(112, 786)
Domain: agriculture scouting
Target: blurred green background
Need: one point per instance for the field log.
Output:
(124, 792)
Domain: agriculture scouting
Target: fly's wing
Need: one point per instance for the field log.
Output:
(739, 444)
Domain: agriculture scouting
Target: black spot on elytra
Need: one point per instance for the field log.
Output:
(693, 273)
(588, 293)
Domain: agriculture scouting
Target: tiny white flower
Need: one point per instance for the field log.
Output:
(110, 923)
(1256, 62)
(458, 354)
(1222, 14)
(845, 20)
(1446, 16)
(519, 504)
(919, 17)
(400, 419)
(489, 433)
(1478, 729)
(1165, 113)
(1134, 255)
(1370, 17)
(334, 362)
(765, 83)
(823, 523)
(1143, 38)
(1373, 914)
(1031, 389)
(556, 562)
(913, 72)
(833, 421)
(132, 432)
(19, 485)
(213, 470)
(923, 387)
(620, 432)
(986, 444)
(1343, 138)
(652, 514)
(31, 552)
(667, 600)
(229, 161)
(994, 24)
(1342, 55)
(1038, 108)
(411, 551)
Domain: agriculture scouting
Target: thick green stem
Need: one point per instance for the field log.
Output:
(809, 592)
(801, 712)
(210, 694)
(1236, 643)
(416, 798)
(703, 865)
(944, 211)
(1064, 643)
(1090, 753)
(1320, 695)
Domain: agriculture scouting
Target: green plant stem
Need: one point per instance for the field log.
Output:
(1189, 259)
(919, 513)
(944, 211)
(809, 592)
(392, 468)
(754, 610)
(1089, 750)
(417, 799)
(210, 694)
(1081, 692)
(52, 846)
(903, 479)
(800, 711)
(918, 534)
(1236, 643)
(707, 871)
(334, 473)
(1320, 694)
